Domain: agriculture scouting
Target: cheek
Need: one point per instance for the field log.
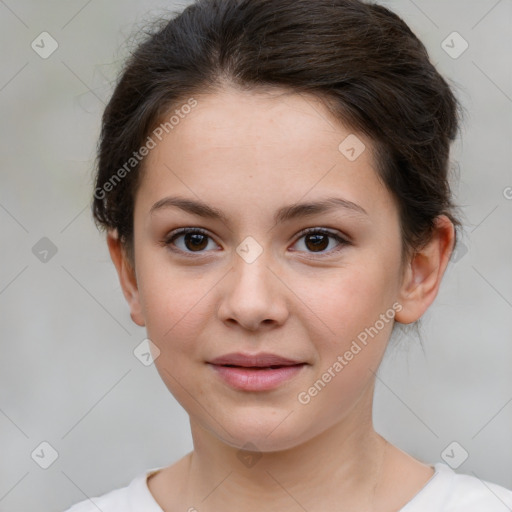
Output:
(173, 303)
(351, 306)
(351, 298)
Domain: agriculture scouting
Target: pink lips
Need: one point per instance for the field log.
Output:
(258, 372)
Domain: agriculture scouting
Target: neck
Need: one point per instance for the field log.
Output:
(337, 469)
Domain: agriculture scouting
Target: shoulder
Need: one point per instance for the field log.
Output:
(448, 491)
(113, 501)
(472, 494)
(135, 496)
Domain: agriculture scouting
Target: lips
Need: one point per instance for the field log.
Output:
(258, 372)
(261, 360)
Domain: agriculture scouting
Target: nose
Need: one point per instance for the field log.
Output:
(252, 296)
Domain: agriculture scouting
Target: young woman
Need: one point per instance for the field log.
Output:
(272, 177)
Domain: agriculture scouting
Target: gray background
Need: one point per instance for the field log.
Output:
(68, 375)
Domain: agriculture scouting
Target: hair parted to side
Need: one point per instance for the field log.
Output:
(361, 59)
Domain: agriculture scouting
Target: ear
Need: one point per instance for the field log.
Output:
(424, 272)
(127, 277)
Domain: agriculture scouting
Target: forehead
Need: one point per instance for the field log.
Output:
(266, 147)
(273, 119)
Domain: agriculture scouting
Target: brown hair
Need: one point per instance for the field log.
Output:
(361, 59)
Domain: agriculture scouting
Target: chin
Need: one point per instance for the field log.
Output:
(257, 431)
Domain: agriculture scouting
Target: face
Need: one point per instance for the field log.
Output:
(318, 286)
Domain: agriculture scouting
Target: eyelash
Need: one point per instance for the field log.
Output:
(168, 242)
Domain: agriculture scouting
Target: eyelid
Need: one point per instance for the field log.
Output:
(183, 231)
(326, 231)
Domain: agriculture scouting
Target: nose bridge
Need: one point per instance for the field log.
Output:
(253, 294)
(251, 265)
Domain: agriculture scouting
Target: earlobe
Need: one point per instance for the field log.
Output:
(424, 272)
(127, 277)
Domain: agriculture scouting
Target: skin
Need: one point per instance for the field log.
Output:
(248, 154)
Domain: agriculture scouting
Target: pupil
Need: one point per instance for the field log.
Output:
(194, 239)
(317, 241)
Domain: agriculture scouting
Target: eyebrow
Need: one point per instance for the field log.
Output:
(284, 214)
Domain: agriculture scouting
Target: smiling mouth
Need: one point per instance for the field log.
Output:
(257, 378)
(273, 367)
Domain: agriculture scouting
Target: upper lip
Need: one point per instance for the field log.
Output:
(262, 359)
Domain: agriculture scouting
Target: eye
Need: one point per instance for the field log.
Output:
(317, 240)
(197, 240)
(194, 240)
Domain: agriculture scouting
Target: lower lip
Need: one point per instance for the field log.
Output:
(253, 379)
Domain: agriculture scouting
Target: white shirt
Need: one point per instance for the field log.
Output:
(446, 491)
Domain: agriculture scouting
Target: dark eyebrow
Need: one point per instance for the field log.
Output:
(304, 209)
(284, 214)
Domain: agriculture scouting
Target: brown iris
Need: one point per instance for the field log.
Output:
(319, 242)
(195, 241)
